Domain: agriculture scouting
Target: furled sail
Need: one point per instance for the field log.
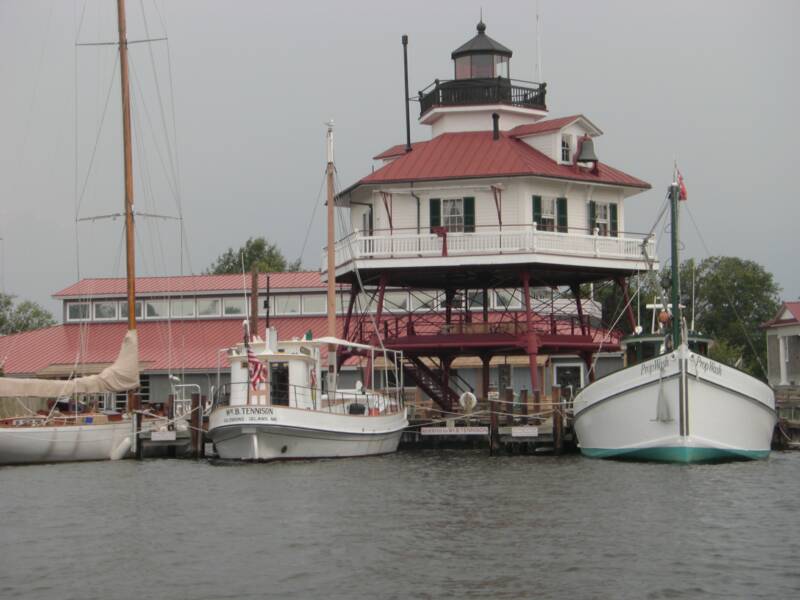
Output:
(121, 376)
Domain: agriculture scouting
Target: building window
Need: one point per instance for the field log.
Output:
(453, 214)
(105, 311)
(548, 215)
(395, 302)
(182, 308)
(475, 300)
(123, 309)
(156, 309)
(286, 304)
(508, 299)
(424, 300)
(233, 307)
(566, 149)
(208, 307)
(603, 218)
(315, 304)
(78, 311)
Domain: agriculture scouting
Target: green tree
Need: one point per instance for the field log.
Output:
(258, 254)
(732, 298)
(24, 316)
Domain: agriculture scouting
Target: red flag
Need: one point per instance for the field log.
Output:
(682, 195)
(256, 369)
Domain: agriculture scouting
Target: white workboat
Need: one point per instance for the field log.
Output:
(289, 417)
(678, 405)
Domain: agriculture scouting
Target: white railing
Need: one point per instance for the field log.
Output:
(516, 240)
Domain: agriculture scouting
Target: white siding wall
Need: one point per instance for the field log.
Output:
(545, 143)
(517, 206)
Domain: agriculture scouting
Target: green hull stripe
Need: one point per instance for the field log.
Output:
(675, 454)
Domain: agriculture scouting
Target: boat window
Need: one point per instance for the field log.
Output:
(78, 311)
(279, 383)
(233, 306)
(208, 307)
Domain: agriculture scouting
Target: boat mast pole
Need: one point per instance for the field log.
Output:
(331, 268)
(676, 267)
(133, 399)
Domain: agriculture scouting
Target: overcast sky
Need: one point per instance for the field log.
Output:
(250, 84)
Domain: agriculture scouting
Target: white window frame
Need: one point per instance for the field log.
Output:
(602, 224)
(309, 310)
(98, 303)
(423, 299)
(566, 146)
(278, 310)
(390, 305)
(516, 299)
(453, 223)
(211, 315)
(138, 307)
(548, 218)
(558, 365)
(88, 307)
(165, 305)
(231, 301)
(178, 302)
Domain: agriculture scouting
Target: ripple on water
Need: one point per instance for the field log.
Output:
(417, 524)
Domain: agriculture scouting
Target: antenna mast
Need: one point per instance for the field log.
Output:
(331, 265)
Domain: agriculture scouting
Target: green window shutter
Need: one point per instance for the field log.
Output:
(612, 218)
(537, 210)
(435, 213)
(592, 216)
(561, 214)
(469, 214)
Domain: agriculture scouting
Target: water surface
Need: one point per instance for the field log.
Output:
(433, 524)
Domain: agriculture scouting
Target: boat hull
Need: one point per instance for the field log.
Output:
(284, 433)
(49, 444)
(641, 413)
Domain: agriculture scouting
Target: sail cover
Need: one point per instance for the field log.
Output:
(121, 376)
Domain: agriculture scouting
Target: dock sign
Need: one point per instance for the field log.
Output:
(525, 431)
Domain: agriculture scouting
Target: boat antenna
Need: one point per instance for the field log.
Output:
(675, 259)
(331, 309)
(133, 398)
(694, 276)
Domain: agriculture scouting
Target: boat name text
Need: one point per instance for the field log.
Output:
(658, 365)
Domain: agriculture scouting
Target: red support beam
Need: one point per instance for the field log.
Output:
(576, 293)
(623, 285)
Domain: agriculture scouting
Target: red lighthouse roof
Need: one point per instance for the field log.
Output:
(475, 154)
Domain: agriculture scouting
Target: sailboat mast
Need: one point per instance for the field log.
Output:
(128, 164)
(676, 268)
(331, 265)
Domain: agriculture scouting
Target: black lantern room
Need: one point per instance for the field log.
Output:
(481, 58)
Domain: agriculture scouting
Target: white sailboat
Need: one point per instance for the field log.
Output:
(289, 416)
(83, 435)
(678, 406)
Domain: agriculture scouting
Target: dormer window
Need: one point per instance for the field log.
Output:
(566, 149)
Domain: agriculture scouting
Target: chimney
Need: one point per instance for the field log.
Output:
(495, 126)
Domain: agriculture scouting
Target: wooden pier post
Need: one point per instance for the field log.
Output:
(558, 421)
(196, 423)
(537, 402)
(509, 406)
(523, 402)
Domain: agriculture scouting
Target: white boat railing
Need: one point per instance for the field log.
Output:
(513, 240)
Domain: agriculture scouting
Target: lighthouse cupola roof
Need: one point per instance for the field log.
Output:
(481, 57)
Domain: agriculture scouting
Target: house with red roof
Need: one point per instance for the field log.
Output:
(783, 360)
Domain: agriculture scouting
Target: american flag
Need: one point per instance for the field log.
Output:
(683, 194)
(256, 368)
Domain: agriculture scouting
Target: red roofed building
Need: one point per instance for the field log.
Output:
(783, 364)
(501, 197)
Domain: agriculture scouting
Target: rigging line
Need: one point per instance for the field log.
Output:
(167, 172)
(313, 215)
(730, 297)
(97, 138)
(170, 151)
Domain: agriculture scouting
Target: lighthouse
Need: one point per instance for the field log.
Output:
(474, 243)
